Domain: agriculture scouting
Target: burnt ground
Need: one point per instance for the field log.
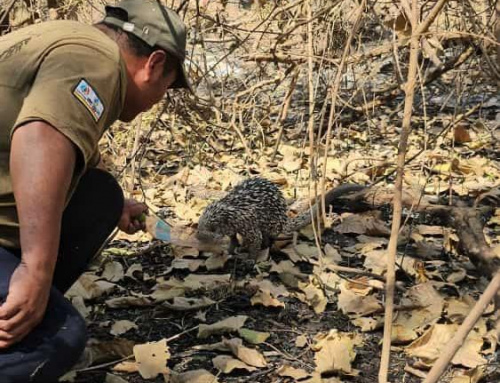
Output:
(284, 325)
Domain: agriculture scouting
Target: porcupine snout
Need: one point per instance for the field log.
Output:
(209, 229)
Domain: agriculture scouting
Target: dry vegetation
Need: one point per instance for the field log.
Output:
(310, 94)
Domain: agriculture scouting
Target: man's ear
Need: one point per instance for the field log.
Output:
(155, 64)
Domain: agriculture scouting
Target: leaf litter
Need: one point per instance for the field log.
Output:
(276, 299)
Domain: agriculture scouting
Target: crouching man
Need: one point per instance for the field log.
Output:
(62, 84)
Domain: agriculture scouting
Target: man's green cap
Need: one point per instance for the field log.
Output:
(157, 26)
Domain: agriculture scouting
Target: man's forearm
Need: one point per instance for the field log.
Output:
(42, 162)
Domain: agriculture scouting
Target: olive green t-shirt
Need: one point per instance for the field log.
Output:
(65, 73)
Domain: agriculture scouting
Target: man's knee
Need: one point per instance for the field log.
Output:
(69, 348)
(52, 348)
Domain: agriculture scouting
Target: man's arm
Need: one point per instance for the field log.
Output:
(42, 163)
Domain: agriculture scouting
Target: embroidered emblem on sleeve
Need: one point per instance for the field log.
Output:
(89, 98)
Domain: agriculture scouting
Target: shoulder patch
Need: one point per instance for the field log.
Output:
(89, 98)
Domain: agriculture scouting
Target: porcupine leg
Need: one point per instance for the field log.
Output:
(233, 244)
(263, 253)
(252, 241)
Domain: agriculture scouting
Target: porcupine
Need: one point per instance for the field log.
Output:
(257, 211)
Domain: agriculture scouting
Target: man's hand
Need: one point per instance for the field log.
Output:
(25, 305)
(129, 221)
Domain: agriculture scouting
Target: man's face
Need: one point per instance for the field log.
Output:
(147, 85)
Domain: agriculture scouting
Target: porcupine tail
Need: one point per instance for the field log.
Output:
(305, 218)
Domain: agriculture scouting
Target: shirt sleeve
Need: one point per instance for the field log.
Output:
(77, 91)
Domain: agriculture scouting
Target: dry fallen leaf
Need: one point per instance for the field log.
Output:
(88, 286)
(314, 295)
(266, 285)
(133, 269)
(461, 134)
(98, 351)
(335, 352)
(185, 304)
(351, 303)
(368, 324)
(219, 346)
(332, 255)
(253, 337)
(287, 267)
(430, 230)
(330, 282)
(302, 251)
(128, 301)
(301, 341)
(79, 304)
(216, 261)
(195, 376)
(457, 276)
(201, 316)
(163, 292)
(113, 271)
(429, 346)
(226, 364)
(409, 324)
(68, 377)
(472, 376)
(264, 298)
(458, 309)
(222, 327)
(292, 372)
(110, 378)
(363, 224)
(292, 160)
(185, 264)
(206, 281)
(376, 261)
(126, 366)
(122, 326)
(152, 358)
(360, 286)
(250, 356)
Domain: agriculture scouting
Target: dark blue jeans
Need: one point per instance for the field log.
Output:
(55, 345)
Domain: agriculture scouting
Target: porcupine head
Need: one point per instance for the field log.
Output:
(214, 223)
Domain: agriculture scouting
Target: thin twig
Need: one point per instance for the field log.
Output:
(398, 195)
(284, 111)
(134, 159)
(310, 123)
(288, 356)
(7, 11)
(351, 270)
(107, 364)
(334, 93)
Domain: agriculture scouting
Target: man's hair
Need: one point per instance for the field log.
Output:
(137, 46)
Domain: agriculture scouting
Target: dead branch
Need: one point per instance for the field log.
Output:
(424, 26)
(466, 221)
(458, 339)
